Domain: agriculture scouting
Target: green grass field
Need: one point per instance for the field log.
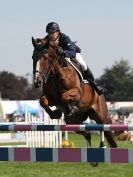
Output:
(41, 169)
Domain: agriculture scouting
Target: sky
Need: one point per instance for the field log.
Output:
(103, 29)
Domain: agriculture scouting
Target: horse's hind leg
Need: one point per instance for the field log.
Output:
(99, 113)
(87, 136)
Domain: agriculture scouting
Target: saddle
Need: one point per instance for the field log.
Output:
(78, 68)
(87, 76)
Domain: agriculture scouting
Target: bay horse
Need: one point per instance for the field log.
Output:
(63, 87)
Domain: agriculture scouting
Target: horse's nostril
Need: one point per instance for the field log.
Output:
(39, 82)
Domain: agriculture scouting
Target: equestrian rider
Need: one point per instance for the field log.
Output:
(68, 49)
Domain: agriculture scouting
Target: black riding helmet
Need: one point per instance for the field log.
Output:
(52, 27)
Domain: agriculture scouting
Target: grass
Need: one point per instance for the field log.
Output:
(12, 143)
(41, 169)
(80, 142)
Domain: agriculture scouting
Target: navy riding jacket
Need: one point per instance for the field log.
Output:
(69, 47)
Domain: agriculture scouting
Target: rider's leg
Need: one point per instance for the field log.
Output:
(88, 75)
(85, 68)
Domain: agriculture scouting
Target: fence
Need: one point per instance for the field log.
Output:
(112, 155)
(44, 138)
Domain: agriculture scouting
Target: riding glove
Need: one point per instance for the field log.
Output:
(60, 51)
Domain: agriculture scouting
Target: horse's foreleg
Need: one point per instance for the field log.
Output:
(54, 114)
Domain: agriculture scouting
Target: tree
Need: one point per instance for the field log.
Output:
(119, 81)
(16, 87)
(33, 93)
(11, 86)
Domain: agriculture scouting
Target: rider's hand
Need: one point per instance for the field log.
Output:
(60, 51)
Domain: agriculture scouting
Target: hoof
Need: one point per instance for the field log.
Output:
(56, 114)
(94, 164)
(69, 114)
(104, 147)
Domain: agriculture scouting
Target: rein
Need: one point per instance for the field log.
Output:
(46, 75)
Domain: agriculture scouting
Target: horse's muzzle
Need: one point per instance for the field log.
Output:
(37, 83)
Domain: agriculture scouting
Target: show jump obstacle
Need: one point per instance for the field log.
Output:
(112, 155)
(42, 127)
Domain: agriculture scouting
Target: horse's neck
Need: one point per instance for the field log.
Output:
(52, 51)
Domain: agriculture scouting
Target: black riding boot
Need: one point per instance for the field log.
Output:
(90, 78)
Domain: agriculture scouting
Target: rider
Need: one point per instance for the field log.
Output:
(68, 49)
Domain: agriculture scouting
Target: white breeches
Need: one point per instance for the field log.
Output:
(81, 61)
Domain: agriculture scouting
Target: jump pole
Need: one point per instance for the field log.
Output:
(42, 127)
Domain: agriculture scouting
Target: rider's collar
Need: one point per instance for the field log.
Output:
(55, 41)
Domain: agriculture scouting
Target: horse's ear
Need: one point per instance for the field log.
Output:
(35, 44)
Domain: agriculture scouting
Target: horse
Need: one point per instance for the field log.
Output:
(63, 87)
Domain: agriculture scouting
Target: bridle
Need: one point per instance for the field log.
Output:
(51, 68)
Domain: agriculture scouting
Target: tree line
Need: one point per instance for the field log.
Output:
(14, 87)
(118, 80)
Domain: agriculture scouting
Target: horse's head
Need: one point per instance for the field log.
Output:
(39, 58)
(43, 58)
